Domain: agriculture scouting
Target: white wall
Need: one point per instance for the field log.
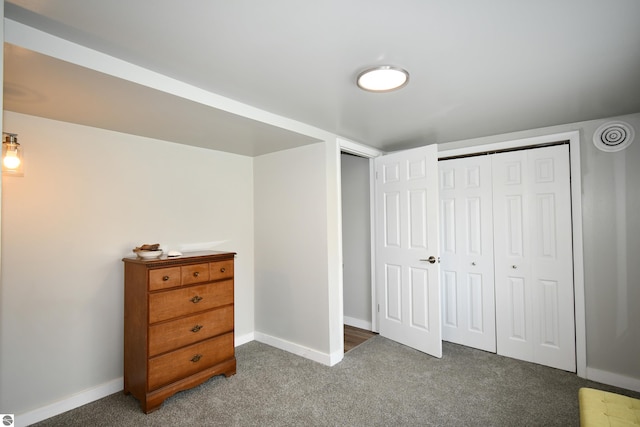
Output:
(88, 196)
(611, 232)
(356, 241)
(298, 306)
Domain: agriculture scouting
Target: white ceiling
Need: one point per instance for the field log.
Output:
(477, 67)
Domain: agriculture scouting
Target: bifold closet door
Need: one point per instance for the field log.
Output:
(533, 256)
(466, 248)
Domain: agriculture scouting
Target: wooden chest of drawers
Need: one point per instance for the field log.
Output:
(178, 324)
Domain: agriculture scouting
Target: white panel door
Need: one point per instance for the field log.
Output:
(533, 256)
(408, 290)
(466, 249)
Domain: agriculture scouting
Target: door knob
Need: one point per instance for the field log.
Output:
(431, 259)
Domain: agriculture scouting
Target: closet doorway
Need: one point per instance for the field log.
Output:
(506, 251)
(577, 261)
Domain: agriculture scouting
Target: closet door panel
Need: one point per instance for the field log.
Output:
(514, 317)
(533, 256)
(449, 300)
(468, 306)
(552, 258)
(476, 304)
(514, 227)
(517, 308)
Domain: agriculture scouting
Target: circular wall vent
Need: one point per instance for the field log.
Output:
(613, 136)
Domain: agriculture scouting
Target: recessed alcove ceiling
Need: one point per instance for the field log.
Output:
(476, 68)
(43, 86)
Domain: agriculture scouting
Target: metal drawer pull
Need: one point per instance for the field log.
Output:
(165, 278)
(196, 358)
(196, 274)
(196, 299)
(196, 328)
(222, 270)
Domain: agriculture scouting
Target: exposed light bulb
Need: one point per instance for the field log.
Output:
(12, 155)
(11, 160)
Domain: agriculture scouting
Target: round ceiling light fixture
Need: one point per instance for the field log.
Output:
(384, 78)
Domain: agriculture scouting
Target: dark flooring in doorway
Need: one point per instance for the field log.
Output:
(355, 336)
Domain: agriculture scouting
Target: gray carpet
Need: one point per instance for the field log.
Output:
(379, 383)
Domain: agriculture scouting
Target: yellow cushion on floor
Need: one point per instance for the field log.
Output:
(601, 408)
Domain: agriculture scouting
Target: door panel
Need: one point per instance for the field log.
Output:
(450, 301)
(419, 298)
(448, 225)
(514, 229)
(466, 229)
(393, 292)
(407, 220)
(392, 219)
(549, 333)
(474, 231)
(418, 219)
(476, 307)
(517, 309)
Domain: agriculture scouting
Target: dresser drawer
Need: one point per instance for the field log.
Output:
(171, 335)
(190, 300)
(221, 270)
(196, 273)
(181, 363)
(164, 278)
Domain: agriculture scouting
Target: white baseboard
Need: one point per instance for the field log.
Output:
(243, 339)
(358, 323)
(71, 402)
(88, 396)
(114, 386)
(307, 353)
(613, 379)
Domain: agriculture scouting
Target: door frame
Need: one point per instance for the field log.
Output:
(346, 146)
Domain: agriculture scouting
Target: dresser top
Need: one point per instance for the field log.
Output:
(186, 257)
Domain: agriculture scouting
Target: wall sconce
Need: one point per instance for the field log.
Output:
(12, 155)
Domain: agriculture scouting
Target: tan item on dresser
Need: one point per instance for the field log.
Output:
(178, 324)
